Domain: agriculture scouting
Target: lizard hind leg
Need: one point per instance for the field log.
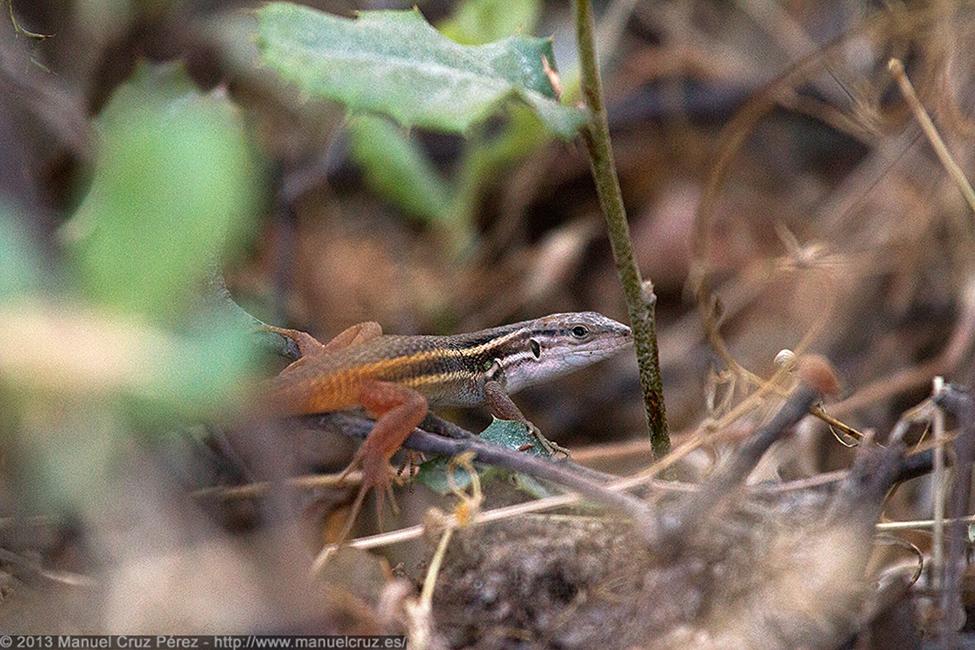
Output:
(354, 335)
(398, 410)
(309, 346)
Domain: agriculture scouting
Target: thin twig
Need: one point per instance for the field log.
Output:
(727, 479)
(639, 306)
(260, 488)
(921, 524)
(19, 29)
(584, 481)
(487, 516)
(896, 67)
(820, 412)
(937, 544)
(960, 403)
(911, 467)
(423, 611)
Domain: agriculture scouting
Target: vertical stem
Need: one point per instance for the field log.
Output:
(937, 544)
(640, 307)
(896, 67)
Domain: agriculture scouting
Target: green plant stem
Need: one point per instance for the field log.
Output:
(639, 306)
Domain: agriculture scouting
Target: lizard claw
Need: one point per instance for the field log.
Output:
(375, 475)
(550, 447)
(411, 462)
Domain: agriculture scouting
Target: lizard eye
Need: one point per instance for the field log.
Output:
(536, 348)
(580, 332)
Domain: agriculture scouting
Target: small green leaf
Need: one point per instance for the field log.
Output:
(397, 64)
(397, 169)
(481, 21)
(433, 474)
(504, 433)
(174, 185)
(513, 435)
(531, 485)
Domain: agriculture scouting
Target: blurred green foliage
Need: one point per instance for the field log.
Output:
(481, 21)
(19, 271)
(203, 373)
(396, 168)
(485, 158)
(173, 188)
(130, 342)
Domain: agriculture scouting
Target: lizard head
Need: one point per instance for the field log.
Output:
(560, 343)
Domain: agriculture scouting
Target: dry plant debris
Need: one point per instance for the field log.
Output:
(797, 181)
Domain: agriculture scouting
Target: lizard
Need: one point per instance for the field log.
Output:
(397, 378)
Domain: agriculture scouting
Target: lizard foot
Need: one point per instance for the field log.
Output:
(376, 475)
(306, 343)
(551, 447)
(399, 410)
(411, 463)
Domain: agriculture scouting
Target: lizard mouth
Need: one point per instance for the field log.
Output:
(599, 350)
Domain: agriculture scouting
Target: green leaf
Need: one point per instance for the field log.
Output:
(395, 63)
(433, 474)
(513, 435)
(505, 433)
(397, 169)
(482, 21)
(174, 186)
(532, 486)
(519, 137)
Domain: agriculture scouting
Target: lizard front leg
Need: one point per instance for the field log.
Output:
(501, 406)
(398, 410)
